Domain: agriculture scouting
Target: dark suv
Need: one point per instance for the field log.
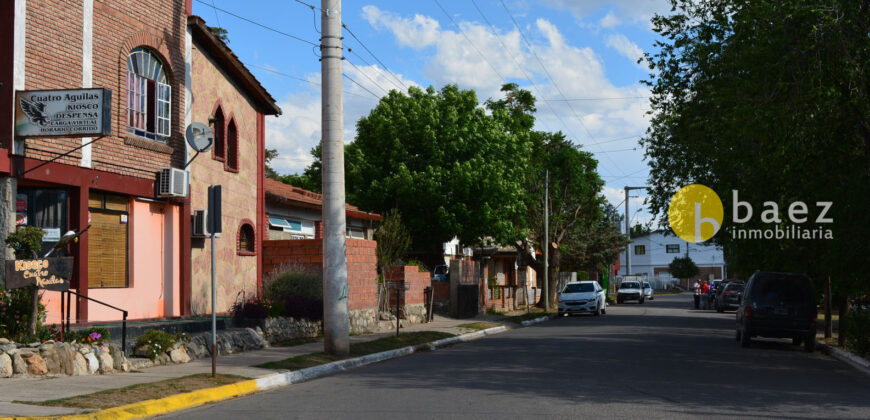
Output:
(778, 305)
(728, 296)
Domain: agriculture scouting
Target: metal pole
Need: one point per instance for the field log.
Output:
(546, 243)
(62, 310)
(336, 325)
(213, 315)
(397, 311)
(627, 236)
(124, 334)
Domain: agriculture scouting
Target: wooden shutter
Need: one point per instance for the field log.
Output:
(107, 250)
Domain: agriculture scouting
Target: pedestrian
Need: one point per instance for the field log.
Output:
(705, 292)
(697, 288)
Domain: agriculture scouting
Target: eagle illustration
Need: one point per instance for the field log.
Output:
(35, 111)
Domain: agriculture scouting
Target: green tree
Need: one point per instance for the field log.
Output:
(595, 246)
(639, 230)
(393, 240)
(769, 98)
(219, 33)
(270, 172)
(683, 268)
(25, 242)
(447, 166)
(311, 178)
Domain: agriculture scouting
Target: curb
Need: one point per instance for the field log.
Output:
(856, 362)
(537, 320)
(208, 395)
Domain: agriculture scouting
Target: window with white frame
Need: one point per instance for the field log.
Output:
(149, 96)
(672, 248)
(299, 229)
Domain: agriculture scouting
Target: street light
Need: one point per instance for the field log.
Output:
(628, 230)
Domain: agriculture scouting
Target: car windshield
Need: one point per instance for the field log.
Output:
(441, 269)
(646, 286)
(579, 288)
(630, 285)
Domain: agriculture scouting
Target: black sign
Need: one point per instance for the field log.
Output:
(46, 273)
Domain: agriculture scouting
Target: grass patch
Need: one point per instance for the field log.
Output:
(358, 349)
(477, 326)
(294, 342)
(141, 392)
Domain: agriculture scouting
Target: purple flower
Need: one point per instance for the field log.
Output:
(94, 335)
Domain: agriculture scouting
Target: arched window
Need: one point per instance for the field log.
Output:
(232, 163)
(149, 96)
(247, 239)
(219, 149)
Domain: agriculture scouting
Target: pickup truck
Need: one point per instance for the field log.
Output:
(630, 290)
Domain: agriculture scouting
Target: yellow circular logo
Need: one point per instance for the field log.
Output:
(695, 213)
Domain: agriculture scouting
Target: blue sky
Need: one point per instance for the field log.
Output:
(576, 56)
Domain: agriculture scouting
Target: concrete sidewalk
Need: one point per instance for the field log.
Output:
(52, 388)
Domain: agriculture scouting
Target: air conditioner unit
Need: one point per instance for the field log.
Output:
(172, 183)
(199, 228)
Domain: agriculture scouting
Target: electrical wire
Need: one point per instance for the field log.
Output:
(386, 92)
(373, 55)
(258, 24)
(363, 87)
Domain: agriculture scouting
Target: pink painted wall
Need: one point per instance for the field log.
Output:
(235, 273)
(154, 271)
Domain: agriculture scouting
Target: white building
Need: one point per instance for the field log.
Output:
(652, 253)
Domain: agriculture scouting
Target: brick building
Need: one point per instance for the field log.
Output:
(164, 71)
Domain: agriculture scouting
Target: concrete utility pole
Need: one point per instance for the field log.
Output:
(336, 327)
(547, 242)
(628, 231)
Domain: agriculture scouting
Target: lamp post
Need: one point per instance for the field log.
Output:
(628, 230)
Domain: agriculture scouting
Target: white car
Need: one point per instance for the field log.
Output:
(647, 291)
(630, 290)
(582, 296)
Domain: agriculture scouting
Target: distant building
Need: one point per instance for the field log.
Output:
(652, 253)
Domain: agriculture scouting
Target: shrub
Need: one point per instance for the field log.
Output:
(255, 308)
(295, 292)
(419, 264)
(857, 331)
(152, 343)
(15, 311)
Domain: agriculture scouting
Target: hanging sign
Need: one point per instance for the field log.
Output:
(45, 273)
(63, 112)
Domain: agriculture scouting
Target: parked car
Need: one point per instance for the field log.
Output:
(729, 297)
(440, 272)
(647, 291)
(630, 290)
(582, 296)
(780, 305)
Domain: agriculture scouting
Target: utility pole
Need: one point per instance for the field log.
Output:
(336, 328)
(628, 231)
(546, 243)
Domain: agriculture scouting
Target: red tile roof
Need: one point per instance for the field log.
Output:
(284, 193)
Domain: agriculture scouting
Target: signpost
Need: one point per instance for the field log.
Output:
(46, 273)
(63, 112)
(214, 228)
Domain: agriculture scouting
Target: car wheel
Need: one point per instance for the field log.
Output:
(737, 335)
(604, 308)
(619, 301)
(640, 302)
(561, 313)
(795, 341)
(597, 311)
(810, 344)
(745, 338)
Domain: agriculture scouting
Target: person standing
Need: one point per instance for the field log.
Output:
(705, 294)
(697, 289)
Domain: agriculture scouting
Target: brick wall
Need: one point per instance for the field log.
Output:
(53, 60)
(361, 265)
(416, 281)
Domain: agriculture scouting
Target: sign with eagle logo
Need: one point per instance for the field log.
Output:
(63, 112)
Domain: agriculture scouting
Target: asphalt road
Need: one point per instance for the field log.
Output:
(656, 360)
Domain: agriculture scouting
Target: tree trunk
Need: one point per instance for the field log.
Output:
(828, 321)
(34, 313)
(553, 281)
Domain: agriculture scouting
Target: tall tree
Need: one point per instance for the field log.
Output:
(450, 169)
(270, 172)
(769, 98)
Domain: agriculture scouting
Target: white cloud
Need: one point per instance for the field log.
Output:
(625, 47)
(609, 21)
(297, 130)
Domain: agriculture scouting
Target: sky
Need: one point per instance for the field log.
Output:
(577, 57)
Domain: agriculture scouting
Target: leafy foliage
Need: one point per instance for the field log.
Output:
(683, 268)
(295, 292)
(770, 98)
(857, 331)
(152, 343)
(271, 154)
(16, 313)
(393, 240)
(25, 241)
(255, 308)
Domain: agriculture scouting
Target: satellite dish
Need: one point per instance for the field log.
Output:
(199, 137)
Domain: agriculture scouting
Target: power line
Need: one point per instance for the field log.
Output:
(267, 69)
(552, 80)
(363, 87)
(258, 24)
(469, 41)
(373, 55)
(386, 92)
(369, 64)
